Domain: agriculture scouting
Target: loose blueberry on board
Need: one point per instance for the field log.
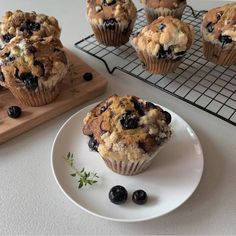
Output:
(2, 79)
(30, 81)
(225, 39)
(129, 120)
(139, 197)
(88, 76)
(14, 112)
(168, 117)
(110, 23)
(118, 194)
(7, 37)
(93, 144)
(210, 27)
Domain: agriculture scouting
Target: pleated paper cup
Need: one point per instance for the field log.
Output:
(39, 97)
(126, 167)
(153, 13)
(218, 54)
(112, 37)
(158, 66)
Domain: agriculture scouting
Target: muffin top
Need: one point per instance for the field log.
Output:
(219, 24)
(170, 4)
(166, 37)
(127, 127)
(31, 63)
(103, 11)
(27, 24)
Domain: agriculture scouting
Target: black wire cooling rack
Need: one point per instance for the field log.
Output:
(203, 84)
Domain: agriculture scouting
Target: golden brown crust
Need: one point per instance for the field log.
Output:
(123, 122)
(123, 11)
(166, 34)
(27, 25)
(218, 22)
(170, 4)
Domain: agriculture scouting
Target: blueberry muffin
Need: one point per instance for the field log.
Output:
(156, 8)
(111, 20)
(33, 70)
(162, 44)
(27, 25)
(219, 35)
(127, 132)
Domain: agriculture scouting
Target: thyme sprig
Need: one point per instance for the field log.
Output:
(84, 177)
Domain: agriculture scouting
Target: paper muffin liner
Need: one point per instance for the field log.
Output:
(126, 167)
(112, 37)
(39, 97)
(153, 13)
(214, 52)
(156, 65)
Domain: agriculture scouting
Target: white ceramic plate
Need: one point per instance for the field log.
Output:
(169, 182)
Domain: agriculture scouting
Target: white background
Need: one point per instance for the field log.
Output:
(32, 203)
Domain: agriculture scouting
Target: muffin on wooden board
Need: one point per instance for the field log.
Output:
(219, 35)
(128, 132)
(33, 70)
(155, 8)
(27, 25)
(162, 44)
(112, 21)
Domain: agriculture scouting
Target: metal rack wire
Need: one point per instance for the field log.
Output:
(203, 84)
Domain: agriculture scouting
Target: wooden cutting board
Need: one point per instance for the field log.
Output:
(75, 91)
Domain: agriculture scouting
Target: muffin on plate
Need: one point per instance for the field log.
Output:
(27, 25)
(155, 8)
(162, 44)
(219, 35)
(33, 69)
(112, 21)
(128, 132)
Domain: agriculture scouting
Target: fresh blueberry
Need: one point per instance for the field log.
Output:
(30, 81)
(129, 120)
(2, 79)
(162, 54)
(118, 195)
(225, 39)
(110, 23)
(139, 197)
(7, 37)
(88, 76)
(162, 26)
(210, 27)
(168, 117)
(14, 112)
(93, 144)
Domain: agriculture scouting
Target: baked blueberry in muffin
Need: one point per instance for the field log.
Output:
(162, 44)
(111, 20)
(27, 25)
(127, 132)
(219, 35)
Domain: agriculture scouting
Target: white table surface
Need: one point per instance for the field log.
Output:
(32, 203)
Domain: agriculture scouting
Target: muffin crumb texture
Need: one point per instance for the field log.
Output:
(127, 128)
(166, 37)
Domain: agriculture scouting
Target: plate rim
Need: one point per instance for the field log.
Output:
(118, 219)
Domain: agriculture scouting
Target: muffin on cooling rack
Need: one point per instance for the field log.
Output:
(27, 25)
(111, 20)
(219, 35)
(33, 69)
(162, 44)
(156, 8)
(128, 132)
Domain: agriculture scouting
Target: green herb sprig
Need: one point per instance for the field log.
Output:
(84, 178)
